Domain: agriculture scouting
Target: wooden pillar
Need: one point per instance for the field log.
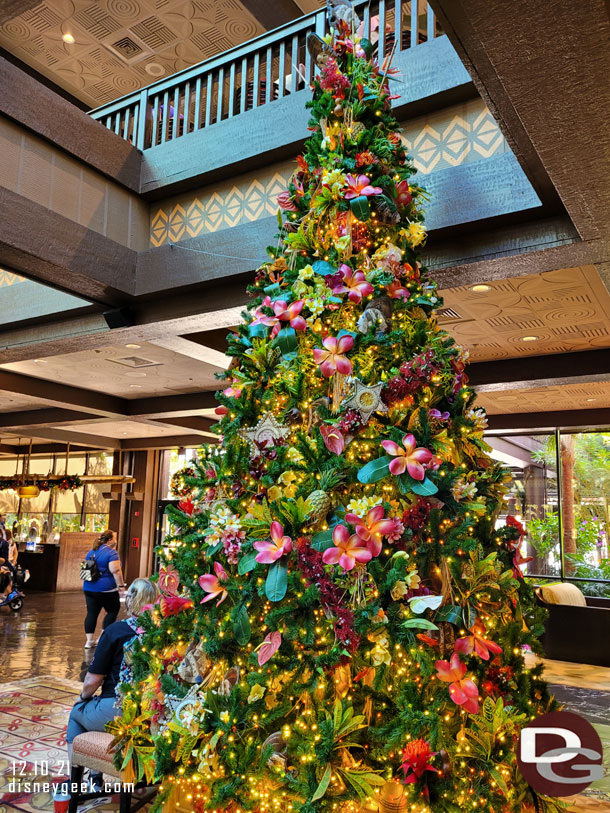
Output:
(534, 493)
(133, 516)
(142, 514)
(567, 451)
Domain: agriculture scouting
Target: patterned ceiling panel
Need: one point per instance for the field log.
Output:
(555, 312)
(546, 399)
(115, 40)
(9, 278)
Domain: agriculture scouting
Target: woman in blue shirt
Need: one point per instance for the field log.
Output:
(103, 593)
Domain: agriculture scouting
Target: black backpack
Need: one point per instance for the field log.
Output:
(89, 570)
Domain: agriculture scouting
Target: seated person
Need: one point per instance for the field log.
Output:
(6, 569)
(91, 712)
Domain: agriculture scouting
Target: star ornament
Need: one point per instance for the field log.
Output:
(366, 399)
(267, 429)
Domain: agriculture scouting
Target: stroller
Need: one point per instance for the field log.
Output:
(14, 600)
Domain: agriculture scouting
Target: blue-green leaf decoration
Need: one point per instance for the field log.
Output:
(257, 330)
(361, 208)
(241, 625)
(286, 340)
(275, 292)
(323, 268)
(375, 470)
(247, 562)
(277, 581)
(322, 540)
(425, 489)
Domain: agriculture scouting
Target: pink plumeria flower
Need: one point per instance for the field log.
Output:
(462, 691)
(261, 318)
(409, 457)
(354, 284)
(288, 313)
(477, 643)
(270, 550)
(360, 185)
(347, 549)
(371, 529)
(214, 585)
(396, 291)
(331, 359)
(233, 390)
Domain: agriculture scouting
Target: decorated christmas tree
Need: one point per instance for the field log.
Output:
(343, 616)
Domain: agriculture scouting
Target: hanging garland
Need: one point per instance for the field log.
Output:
(70, 482)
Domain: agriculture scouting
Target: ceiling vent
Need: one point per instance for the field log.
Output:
(447, 313)
(126, 48)
(135, 362)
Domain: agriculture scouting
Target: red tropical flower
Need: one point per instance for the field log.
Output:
(417, 756)
(333, 439)
(173, 605)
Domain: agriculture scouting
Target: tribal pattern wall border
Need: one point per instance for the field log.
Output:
(454, 136)
(8, 278)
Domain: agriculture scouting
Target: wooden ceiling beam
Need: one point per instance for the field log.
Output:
(540, 371)
(575, 419)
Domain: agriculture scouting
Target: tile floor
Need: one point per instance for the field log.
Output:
(43, 661)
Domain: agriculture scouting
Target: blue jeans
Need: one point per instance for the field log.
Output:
(90, 715)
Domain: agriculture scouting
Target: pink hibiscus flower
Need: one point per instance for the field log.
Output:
(347, 549)
(270, 550)
(371, 529)
(331, 359)
(354, 284)
(462, 691)
(214, 584)
(477, 643)
(360, 185)
(409, 457)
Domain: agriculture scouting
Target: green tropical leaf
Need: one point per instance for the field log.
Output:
(247, 562)
(277, 581)
(361, 208)
(375, 470)
(324, 783)
(241, 625)
(419, 624)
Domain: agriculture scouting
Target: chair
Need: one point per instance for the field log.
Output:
(577, 628)
(91, 750)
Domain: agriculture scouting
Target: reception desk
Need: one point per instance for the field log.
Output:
(56, 568)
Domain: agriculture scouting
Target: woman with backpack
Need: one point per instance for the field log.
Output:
(103, 584)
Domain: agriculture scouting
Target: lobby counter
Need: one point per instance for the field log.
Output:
(56, 568)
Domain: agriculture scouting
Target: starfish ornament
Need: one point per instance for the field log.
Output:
(267, 429)
(366, 399)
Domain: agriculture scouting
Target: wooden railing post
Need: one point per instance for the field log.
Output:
(141, 123)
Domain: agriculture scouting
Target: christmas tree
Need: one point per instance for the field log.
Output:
(342, 621)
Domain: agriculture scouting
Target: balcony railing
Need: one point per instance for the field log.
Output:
(256, 73)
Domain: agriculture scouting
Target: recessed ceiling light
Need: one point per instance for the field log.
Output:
(530, 338)
(133, 346)
(136, 386)
(39, 361)
(480, 289)
(154, 69)
(135, 375)
(591, 399)
(68, 38)
(123, 433)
